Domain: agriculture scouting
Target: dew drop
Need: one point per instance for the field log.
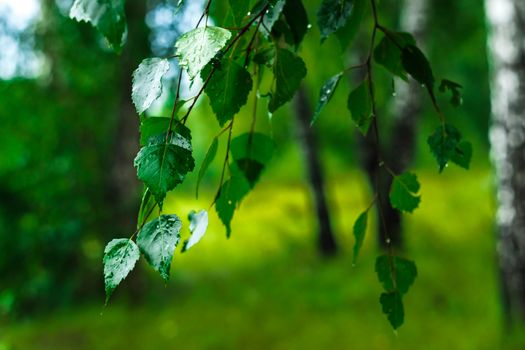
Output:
(394, 94)
(309, 26)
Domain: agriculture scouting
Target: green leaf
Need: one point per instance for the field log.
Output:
(455, 89)
(406, 273)
(404, 192)
(208, 159)
(147, 82)
(239, 10)
(198, 226)
(388, 54)
(162, 166)
(255, 146)
(404, 270)
(360, 107)
(346, 34)
(399, 39)
(157, 240)
(197, 47)
(359, 233)
(392, 305)
(333, 15)
(326, 93)
(259, 6)
(106, 15)
(251, 152)
(228, 89)
(153, 126)
(288, 70)
(230, 195)
(265, 57)
(462, 154)
(146, 206)
(384, 272)
(297, 19)
(120, 256)
(446, 144)
(248, 168)
(282, 29)
(271, 16)
(417, 65)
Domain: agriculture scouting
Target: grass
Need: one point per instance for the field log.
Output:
(266, 288)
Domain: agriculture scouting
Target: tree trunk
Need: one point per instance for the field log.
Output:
(399, 152)
(123, 183)
(303, 113)
(409, 96)
(506, 20)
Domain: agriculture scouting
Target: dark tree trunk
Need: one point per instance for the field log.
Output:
(402, 144)
(506, 19)
(306, 136)
(399, 152)
(123, 183)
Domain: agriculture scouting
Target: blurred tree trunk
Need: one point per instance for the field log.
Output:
(399, 152)
(506, 20)
(123, 183)
(402, 145)
(303, 113)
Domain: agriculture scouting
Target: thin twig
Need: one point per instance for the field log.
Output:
(226, 159)
(204, 14)
(144, 220)
(379, 160)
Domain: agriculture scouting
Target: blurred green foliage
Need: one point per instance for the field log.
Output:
(265, 286)
(55, 151)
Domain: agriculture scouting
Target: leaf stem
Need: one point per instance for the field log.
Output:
(387, 33)
(357, 66)
(252, 40)
(174, 110)
(194, 102)
(369, 68)
(144, 220)
(204, 14)
(256, 98)
(260, 15)
(374, 199)
(225, 164)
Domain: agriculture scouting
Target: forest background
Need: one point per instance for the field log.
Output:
(67, 186)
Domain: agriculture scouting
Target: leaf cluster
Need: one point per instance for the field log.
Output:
(230, 62)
